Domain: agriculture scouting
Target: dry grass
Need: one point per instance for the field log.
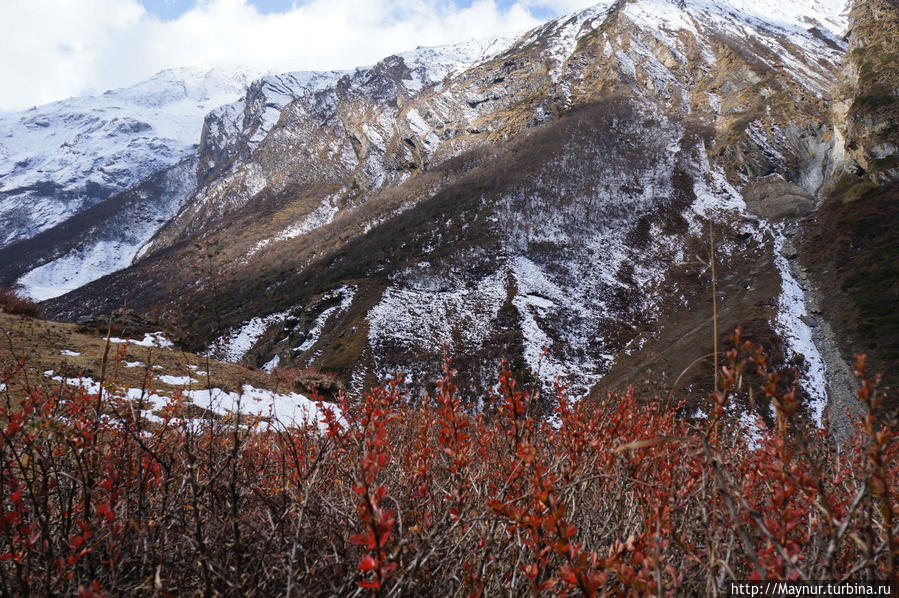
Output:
(41, 343)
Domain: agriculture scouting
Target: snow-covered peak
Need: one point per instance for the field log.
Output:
(62, 157)
(249, 119)
(791, 16)
(185, 83)
(780, 27)
(430, 65)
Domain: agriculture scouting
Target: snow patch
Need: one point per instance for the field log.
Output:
(271, 364)
(430, 65)
(799, 336)
(284, 409)
(568, 30)
(430, 312)
(287, 409)
(151, 339)
(236, 343)
(176, 380)
(749, 423)
(318, 218)
(346, 293)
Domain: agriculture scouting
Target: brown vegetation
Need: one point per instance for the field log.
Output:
(44, 346)
(401, 496)
(13, 302)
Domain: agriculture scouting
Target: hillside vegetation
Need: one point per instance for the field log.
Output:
(393, 494)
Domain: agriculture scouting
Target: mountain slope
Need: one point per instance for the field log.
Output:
(58, 159)
(551, 193)
(310, 130)
(550, 199)
(849, 245)
(99, 240)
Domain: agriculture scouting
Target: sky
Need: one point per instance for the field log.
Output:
(54, 49)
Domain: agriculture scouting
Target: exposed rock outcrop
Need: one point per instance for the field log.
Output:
(866, 113)
(773, 198)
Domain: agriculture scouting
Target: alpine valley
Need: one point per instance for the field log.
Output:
(560, 199)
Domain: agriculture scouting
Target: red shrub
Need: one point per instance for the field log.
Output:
(13, 302)
(420, 497)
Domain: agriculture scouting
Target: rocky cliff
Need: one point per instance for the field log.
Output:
(849, 246)
(866, 111)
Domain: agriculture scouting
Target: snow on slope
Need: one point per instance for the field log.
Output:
(799, 337)
(564, 33)
(235, 343)
(804, 14)
(321, 115)
(76, 269)
(250, 118)
(781, 21)
(60, 158)
(113, 244)
(431, 65)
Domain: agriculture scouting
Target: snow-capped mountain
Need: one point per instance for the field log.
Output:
(59, 159)
(111, 234)
(101, 239)
(335, 126)
(542, 198)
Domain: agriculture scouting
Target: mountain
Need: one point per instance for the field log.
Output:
(108, 235)
(551, 199)
(100, 239)
(61, 159)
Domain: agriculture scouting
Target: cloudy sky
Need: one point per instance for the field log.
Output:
(53, 49)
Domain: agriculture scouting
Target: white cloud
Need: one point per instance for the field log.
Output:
(558, 7)
(52, 49)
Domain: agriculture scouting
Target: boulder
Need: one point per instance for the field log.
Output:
(774, 198)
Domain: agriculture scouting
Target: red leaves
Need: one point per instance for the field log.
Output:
(367, 539)
(105, 510)
(92, 592)
(370, 430)
(368, 562)
(616, 497)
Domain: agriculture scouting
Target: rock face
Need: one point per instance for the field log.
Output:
(866, 113)
(349, 133)
(124, 323)
(542, 199)
(773, 198)
(849, 245)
